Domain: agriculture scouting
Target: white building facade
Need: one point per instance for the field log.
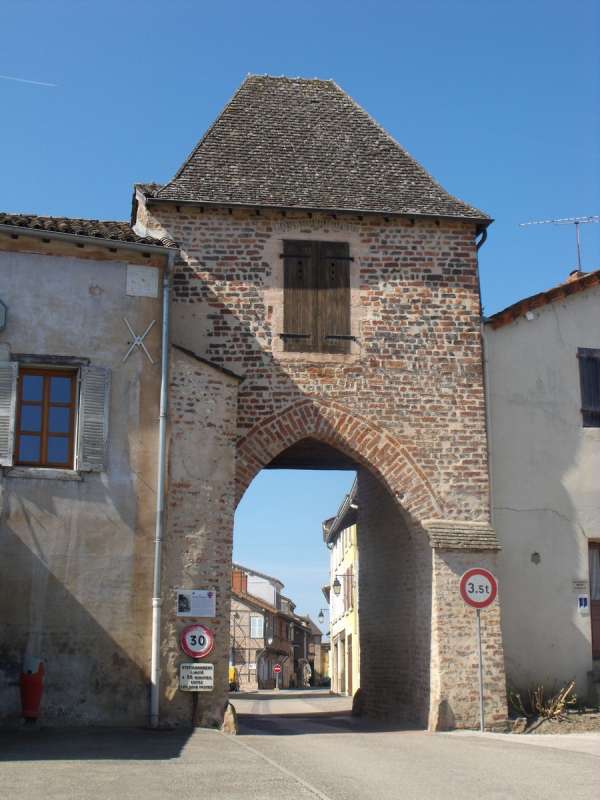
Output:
(543, 367)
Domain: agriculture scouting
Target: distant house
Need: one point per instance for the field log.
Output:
(543, 368)
(262, 630)
(340, 535)
(318, 653)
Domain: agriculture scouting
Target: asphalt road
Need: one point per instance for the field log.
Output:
(302, 745)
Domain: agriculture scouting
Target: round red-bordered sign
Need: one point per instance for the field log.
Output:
(478, 587)
(277, 668)
(197, 641)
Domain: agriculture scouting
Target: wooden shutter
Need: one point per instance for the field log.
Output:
(92, 431)
(8, 398)
(589, 377)
(333, 314)
(299, 300)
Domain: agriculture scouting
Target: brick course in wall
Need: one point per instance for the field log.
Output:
(407, 403)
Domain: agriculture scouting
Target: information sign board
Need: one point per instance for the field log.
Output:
(196, 603)
(196, 677)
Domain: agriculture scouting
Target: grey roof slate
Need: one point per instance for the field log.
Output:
(90, 228)
(300, 143)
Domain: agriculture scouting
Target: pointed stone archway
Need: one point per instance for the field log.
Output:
(369, 445)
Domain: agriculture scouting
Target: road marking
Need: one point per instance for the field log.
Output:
(308, 786)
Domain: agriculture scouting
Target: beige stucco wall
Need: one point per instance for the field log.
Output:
(76, 556)
(546, 487)
(344, 621)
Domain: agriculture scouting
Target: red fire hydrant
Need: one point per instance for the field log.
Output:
(32, 687)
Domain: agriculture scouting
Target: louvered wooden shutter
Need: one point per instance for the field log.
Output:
(299, 301)
(92, 430)
(589, 377)
(333, 316)
(8, 400)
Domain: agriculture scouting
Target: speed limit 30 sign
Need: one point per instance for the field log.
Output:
(197, 641)
(478, 587)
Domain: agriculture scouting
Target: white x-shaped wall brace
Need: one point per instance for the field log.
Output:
(138, 341)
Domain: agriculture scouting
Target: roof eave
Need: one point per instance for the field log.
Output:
(75, 238)
(516, 310)
(154, 200)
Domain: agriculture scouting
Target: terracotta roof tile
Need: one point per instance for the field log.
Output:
(299, 143)
(90, 228)
(575, 283)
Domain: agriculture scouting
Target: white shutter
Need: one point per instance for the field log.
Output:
(92, 428)
(8, 401)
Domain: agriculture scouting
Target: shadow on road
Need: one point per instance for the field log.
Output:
(83, 744)
(322, 722)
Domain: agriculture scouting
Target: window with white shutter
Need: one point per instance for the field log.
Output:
(92, 428)
(8, 399)
(53, 417)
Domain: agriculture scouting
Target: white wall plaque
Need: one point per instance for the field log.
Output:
(583, 605)
(196, 677)
(580, 586)
(142, 281)
(196, 603)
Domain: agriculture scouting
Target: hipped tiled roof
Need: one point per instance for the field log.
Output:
(90, 228)
(299, 143)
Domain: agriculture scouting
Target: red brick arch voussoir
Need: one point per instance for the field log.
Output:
(368, 444)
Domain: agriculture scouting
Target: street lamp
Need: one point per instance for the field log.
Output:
(337, 586)
(321, 617)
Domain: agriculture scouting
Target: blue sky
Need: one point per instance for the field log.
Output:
(498, 100)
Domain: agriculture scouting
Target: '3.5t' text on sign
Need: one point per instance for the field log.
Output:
(478, 587)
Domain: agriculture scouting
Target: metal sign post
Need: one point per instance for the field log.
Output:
(478, 588)
(481, 712)
(277, 670)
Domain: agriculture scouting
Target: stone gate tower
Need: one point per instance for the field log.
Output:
(326, 314)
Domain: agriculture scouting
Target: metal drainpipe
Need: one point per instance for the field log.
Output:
(486, 386)
(160, 500)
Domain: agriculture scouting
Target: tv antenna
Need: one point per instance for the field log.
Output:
(576, 221)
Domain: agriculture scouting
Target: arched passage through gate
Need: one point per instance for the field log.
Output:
(394, 586)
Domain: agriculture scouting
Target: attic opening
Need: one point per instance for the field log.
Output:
(312, 454)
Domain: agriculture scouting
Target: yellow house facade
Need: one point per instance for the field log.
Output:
(340, 534)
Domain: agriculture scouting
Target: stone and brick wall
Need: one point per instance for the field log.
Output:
(406, 404)
(415, 370)
(395, 605)
(198, 541)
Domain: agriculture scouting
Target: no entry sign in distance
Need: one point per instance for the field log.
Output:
(478, 587)
(277, 668)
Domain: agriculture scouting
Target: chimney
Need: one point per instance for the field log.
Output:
(239, 581)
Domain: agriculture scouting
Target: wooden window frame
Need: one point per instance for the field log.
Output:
(46, 405)
(254, 617)
(590, 415)
(315, 256)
